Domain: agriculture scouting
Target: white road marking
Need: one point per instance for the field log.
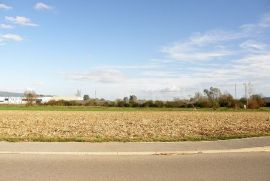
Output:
(240, 150)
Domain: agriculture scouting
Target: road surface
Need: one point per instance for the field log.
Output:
(48, 161)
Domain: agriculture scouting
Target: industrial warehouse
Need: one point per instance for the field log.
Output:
(19, 98)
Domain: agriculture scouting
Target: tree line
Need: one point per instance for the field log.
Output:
(209, 98)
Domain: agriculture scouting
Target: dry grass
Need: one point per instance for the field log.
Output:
(130, 126)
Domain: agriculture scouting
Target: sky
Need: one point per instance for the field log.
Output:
(155, 49)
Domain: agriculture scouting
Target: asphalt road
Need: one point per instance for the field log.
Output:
(233, 166)
(242, 159)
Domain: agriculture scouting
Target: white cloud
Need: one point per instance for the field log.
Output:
(177, 53)
(167, 82)
(42, 6)
(20, 20)
(10, 37)
(252, 67)
(256, 28)
(5, 26)
(170, 81)
(264, 21)
(202, 46)
(212, 37)
(169, 89)
(4, 6)
(256, 66)
(253, 45)
(214, 44)
(101, 76)
(243, 56)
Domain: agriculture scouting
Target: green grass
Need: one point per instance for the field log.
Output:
(106, 139)
(88, 108)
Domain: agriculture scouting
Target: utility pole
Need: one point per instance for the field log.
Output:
(246, 95)
(235, 95)
(95, 93)
(78, 93)
(249, 89)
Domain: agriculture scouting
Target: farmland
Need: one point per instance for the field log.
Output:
(99, 126)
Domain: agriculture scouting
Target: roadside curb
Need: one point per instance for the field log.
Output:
(141, 153)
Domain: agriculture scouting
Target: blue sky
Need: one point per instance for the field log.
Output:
(157, 49)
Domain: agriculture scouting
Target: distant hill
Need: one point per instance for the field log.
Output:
(10, 94)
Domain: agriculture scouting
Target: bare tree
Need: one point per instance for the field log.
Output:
(193, 100)
(30, 97)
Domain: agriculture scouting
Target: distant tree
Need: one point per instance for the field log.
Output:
(213, 94)
(159, 103)
(132, 98)
(86, 97)
(266, 101)
(148, 103)
(255, 101)
(125, 99)
(198, 96)
(30, 97)
(243, 100)
(177, 102)
(226, 100)
(133, 101)
(120, 103)
(196, 100)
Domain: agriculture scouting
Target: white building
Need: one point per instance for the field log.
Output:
(22, 100)
(11, 100)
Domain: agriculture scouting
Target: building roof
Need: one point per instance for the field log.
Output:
(10, 94)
